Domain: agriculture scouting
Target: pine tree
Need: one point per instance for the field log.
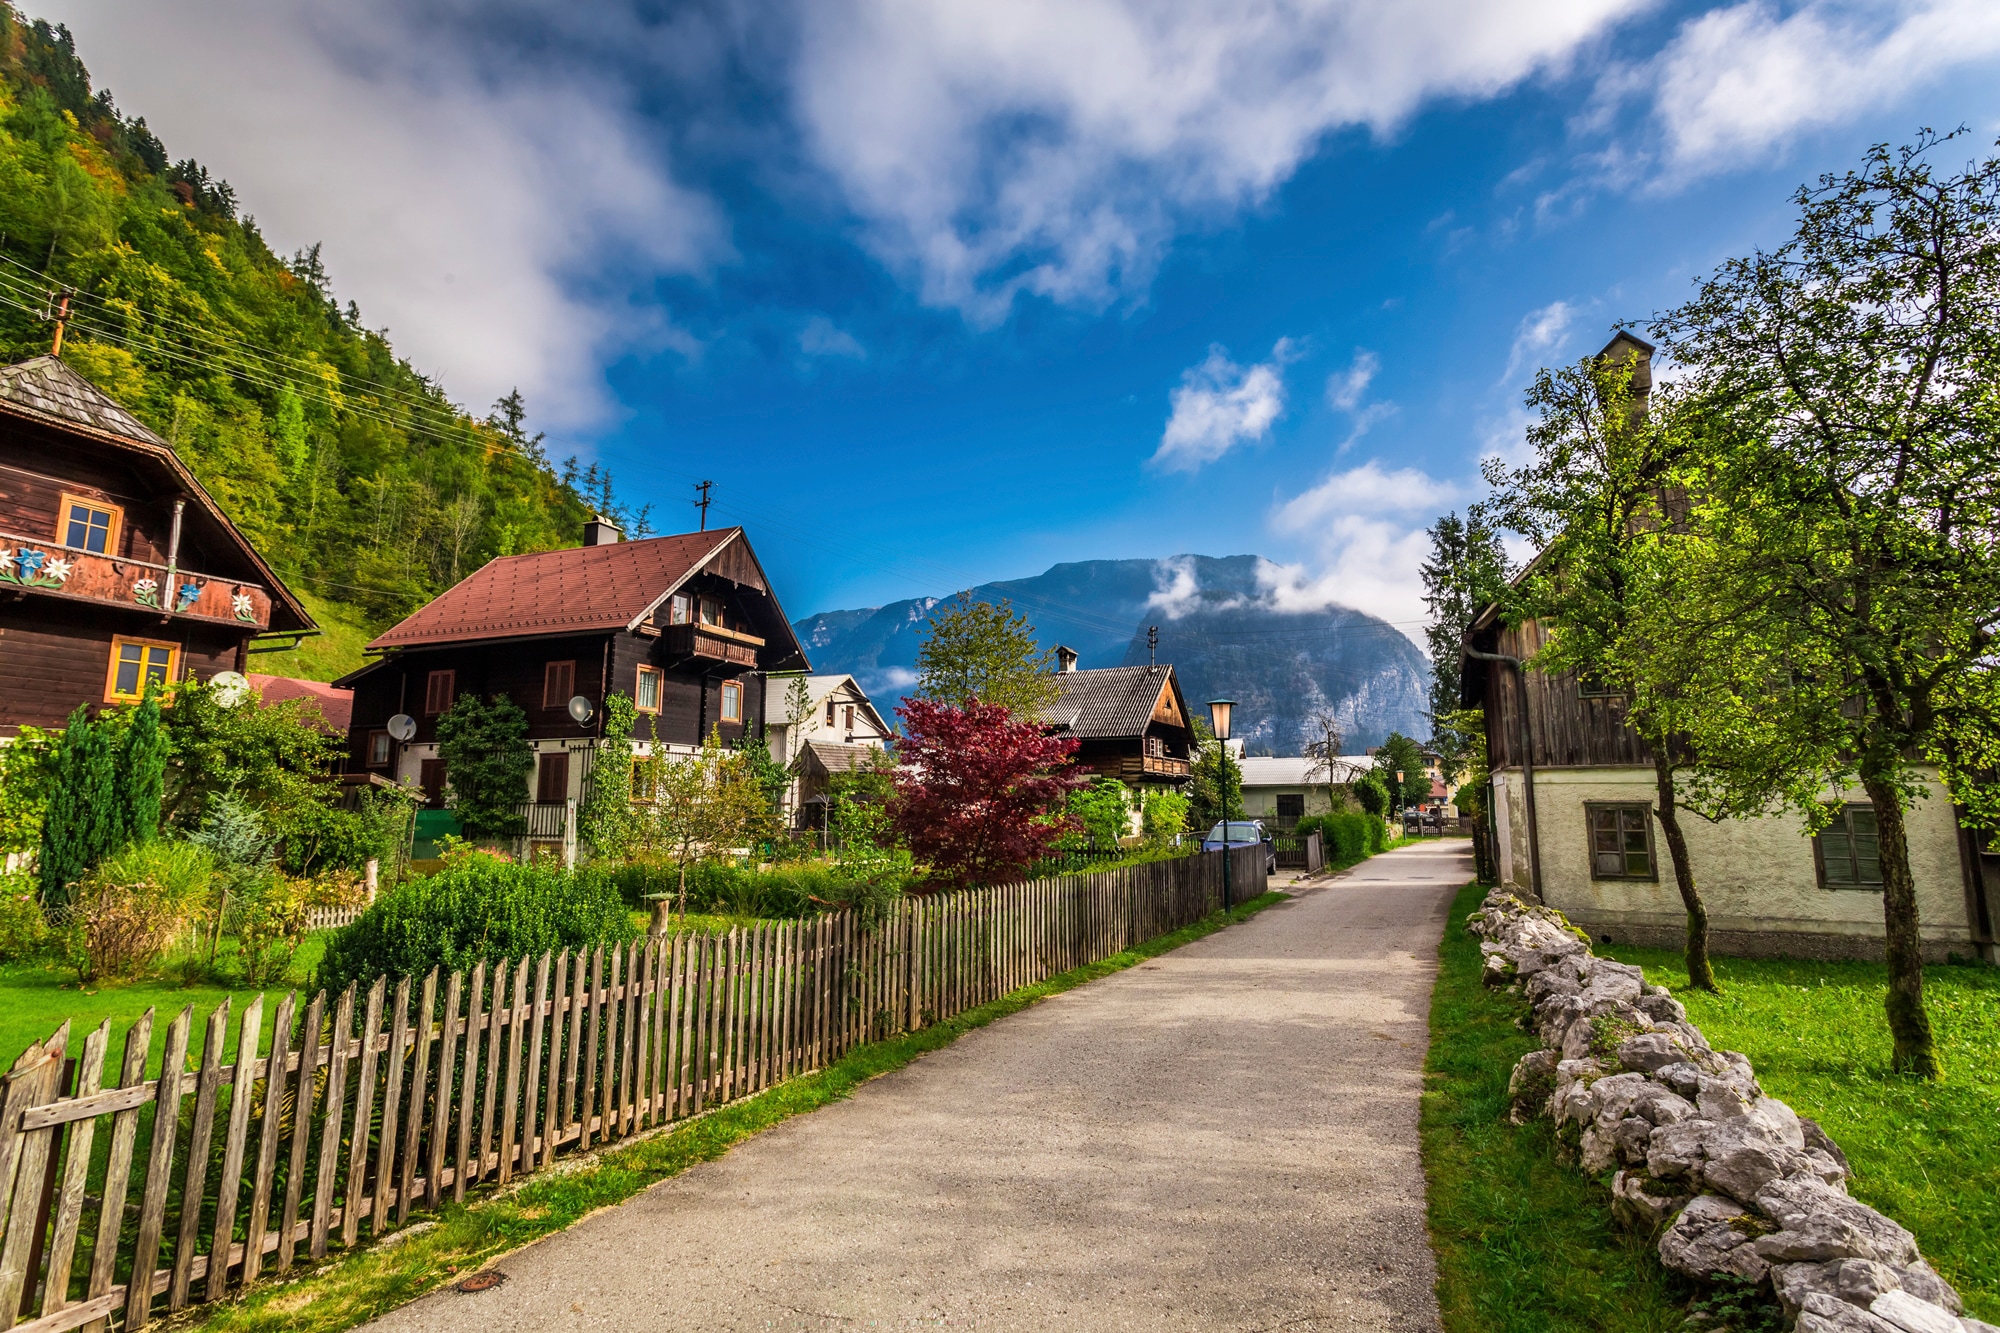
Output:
(82, 823)
(142, 771)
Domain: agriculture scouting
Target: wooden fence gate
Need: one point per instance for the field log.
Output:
(373, 1104)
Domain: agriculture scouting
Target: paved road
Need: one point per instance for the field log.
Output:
(1222, 1138)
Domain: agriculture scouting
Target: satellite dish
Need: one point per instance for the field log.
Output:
(231, 687)
(580, 709)
(402, 726)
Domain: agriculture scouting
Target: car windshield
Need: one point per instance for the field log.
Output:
(1237, 833)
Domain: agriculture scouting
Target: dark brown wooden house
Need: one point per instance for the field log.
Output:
(684, 625)
(1130, 723)
(116, 567)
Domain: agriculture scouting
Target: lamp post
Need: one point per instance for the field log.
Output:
(1399, 796)
(1218, 712)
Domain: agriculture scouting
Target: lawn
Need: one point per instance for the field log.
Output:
(1524, 1244)
(1927, 1154)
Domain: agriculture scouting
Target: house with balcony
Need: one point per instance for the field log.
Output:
(1130, 723)
(686, 626)
(117, 569)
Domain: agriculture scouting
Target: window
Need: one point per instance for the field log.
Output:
(646, 691)
(378, 749)
(552, 777)
(557, 680)
(847, 716)
(1848, 852)
(830, 706)
(677, 610)
(137, 663)
(90, 525)
(732, 701)
(1291, 805)
(711, 612)
(440, 687)
(431, 777)
(1590, 687)
(1621, 841)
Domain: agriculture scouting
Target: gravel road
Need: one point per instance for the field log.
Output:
(1222, 1138)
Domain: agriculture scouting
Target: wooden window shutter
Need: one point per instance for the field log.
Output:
(439, 689)
(558, 678)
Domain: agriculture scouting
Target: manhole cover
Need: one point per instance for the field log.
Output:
(485, 1281)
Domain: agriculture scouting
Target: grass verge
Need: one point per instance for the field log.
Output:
(364, 1284)
(1524, 1243)
(1927, 1154)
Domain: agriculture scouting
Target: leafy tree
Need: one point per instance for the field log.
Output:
(81, 824)
(274, 756)
(1466, 573)
(1371, 791)
(979, 796)
(1102, 810)
(604, 820)
(1599, 500)
(1323, 746)
(1400, 754)
(771, 778)
(1852, 502)
(977, 650)
(1163, 815)
(29, 770)
(1215, 780)
(1463, 758)
(487, 762)
(702, 804)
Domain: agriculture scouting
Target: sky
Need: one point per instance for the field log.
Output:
(940, 292)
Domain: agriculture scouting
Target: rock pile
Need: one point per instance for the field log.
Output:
(1732, 1181)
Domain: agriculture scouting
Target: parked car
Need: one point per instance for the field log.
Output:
(1243, 833)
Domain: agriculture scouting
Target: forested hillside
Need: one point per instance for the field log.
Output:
(366, 488)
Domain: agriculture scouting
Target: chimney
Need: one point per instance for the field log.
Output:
(1065, 659)
(601, 531)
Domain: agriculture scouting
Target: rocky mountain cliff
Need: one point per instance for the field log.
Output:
(1219, 626)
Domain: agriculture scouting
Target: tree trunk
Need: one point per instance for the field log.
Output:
(1909, 1025)
(1700, 975)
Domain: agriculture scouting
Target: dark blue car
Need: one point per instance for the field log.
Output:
(1243, 833)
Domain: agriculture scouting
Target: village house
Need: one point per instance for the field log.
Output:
(839, 732)
(685, 626)
(117, 569)
(1130, 722)
(1282, 790)
(1572, 819)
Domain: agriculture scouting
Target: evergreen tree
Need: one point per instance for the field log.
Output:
(487, 762)
(82, 822)
(142, 770)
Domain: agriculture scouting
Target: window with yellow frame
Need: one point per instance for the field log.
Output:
(89, 525)
(137, 663)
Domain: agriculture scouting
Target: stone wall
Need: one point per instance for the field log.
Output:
(1730, 1180)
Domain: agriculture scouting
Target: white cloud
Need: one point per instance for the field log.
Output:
(1346, 388)
(468, 209)
(1220, 405)
(1176, 591)
(821, 337)
(1054, 146)
(1363, 490)
(1540, 333)
(1366, 528)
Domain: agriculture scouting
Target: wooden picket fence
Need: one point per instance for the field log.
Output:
(376, 1104)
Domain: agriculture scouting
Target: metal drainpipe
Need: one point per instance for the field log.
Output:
(171, 593)
(1527, 763)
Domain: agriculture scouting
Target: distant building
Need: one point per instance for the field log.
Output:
(1283, 790)
(841, 731)
(1130, 723)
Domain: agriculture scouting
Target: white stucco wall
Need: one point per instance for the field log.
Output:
(1756, 876)
(1262, 801)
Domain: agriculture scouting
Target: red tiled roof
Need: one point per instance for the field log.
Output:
(336, 705)
(577, 590)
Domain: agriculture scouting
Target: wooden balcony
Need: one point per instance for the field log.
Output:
(712, 643)
(1135, 766)
(36, 566)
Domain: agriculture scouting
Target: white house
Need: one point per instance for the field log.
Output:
(839, 730)
(1290, 788)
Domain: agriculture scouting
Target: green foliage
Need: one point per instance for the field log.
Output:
(1467, 572)
(487, 761)
(770, 777)
(865, 846)
(700, 806)
(233, 832)
(30, 767)
(274, 757)
(782, 891)
(1347, 837)
(604, 823)
(142, 770)
(1400, 754)
(1104, 808)
(81, 823)
(322, 838)
(1215, 785)
(976, 650)
(1163, 815)
(477, 907)
(137, 900)
(24, 931)
(1461, 742)
(1371, 793)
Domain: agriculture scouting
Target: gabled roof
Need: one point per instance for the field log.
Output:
(1111, 701)
(778, 686)
(835, 758)
(44, 390)
(580, 590)
(1294, 771)
(335, 704)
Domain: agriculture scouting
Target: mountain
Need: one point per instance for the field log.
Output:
(1220, 626)
(363, 484)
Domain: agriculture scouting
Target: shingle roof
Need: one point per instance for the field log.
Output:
(46, 387)
(578, 590)
(836, 758)
(1111, 701)
(1291, 771)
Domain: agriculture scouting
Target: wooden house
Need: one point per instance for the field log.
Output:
(686, 626)
(1130, 723)
(1572, 817)
(117, 569)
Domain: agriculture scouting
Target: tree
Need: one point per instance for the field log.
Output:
(1163, 815)
(1466, 573)
(604, 820)
(142, 770)
(81, 824)
(1102, 810)
(1323, 748)
(798, 715)
(1852, 503)
(701, 804)
(977, 650)
(487, 762)
(1598, 498)
(979, 796)
(771, 778)
(1462, 758)
(1215, 780)
(1400, 754)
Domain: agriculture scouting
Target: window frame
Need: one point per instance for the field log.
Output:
(847, 717)
(1844, 813)
(711, 606)
(450, 675)
(386, 743)
(549, 675)
(119, 641)
(731, 689)
(1590, 811)
(1588, 687)
(678, 612)
(830, 707)
(659, 679)
(112, 533)
(547, 764)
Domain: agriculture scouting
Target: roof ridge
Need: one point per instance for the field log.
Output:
(46, 387)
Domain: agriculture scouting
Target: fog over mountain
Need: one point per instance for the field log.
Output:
(1220, 626)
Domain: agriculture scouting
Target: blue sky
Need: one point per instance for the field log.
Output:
(941, 293)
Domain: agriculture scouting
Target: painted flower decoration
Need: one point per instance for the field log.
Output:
(6, 563)
(245, 608)
(58, 569)
(30, 562)
(146, 592)
(190, 594)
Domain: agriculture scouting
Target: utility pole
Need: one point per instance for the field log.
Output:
(702, 501)
(58, 310)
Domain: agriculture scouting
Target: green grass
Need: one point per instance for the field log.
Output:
(1927, 1154)
(1524, 1243)
(359, 1286)
(334, 652)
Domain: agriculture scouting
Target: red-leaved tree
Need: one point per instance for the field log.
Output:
(979, 796)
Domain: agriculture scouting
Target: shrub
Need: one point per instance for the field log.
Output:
(796, 890)
(1347, 836)
(1164, 815)
(24, 931)
(1103, 809)
(122, 917)
(270, 913)
(477, 907)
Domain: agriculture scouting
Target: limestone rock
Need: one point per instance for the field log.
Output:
(1807, 1207)
(1911, 1315)
(1613, 1096)
(1744, 1170)
(1822, 1313)
(1529, 1086)
(1817, 1138)
(1499, 969)
(1598, 1149)
(1632, 1136)
(1794, 1282)
(1641, 1203)
(1661, 1106)
(1713, 1235)
(1684, 1079)
(1661, 1007)
(1922, 1281)
(1860, 1281)
(1549, 982)
(1650, 1051)
(1675, 1151)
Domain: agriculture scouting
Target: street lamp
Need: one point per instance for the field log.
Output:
(1218, 711)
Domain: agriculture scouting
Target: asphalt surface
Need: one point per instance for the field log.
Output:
(1222, 1138)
